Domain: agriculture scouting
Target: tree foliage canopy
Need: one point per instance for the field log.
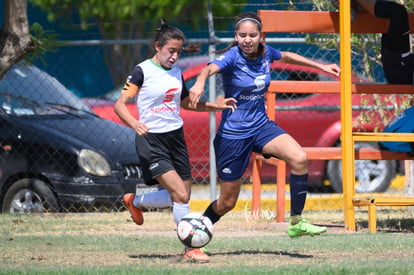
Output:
(134, 19)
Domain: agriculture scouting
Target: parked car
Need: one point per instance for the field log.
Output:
(55, 153)
(312, 119)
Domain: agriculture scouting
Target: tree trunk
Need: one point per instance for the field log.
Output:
(15, 41)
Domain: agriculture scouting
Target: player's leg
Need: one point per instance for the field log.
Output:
(229, 193)
(179, 190)
(178, 183)
(155, 151)
(180, 193)
(145, 150)
(286, 148)
(232, 159)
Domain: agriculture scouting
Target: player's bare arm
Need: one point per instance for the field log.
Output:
(122, 111)
(219, 105)
(198, 88)
(293, 58)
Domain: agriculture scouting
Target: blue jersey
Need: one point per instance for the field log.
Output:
(246, 81)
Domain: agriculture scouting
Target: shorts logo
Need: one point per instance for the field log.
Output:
(226, 171)
(153, 166)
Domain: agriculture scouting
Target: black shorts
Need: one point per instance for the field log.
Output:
(397, 70)
(160, 153)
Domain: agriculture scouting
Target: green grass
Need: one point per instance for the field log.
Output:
(112, 244)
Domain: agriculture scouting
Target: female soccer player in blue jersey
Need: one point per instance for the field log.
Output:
(245, 69)
(159, 90)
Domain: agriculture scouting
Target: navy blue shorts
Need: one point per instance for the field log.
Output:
(232, 155)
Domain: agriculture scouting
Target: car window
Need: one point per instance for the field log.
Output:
(21, 106)
(29, 82)
(17, 105)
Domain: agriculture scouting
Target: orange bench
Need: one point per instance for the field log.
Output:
(314, 153)
(328, 22)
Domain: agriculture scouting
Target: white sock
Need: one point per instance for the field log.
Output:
(159, 199)
(179, 211)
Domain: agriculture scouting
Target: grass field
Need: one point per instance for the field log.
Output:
(110, 243)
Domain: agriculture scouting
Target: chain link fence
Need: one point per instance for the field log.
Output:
(57, 154)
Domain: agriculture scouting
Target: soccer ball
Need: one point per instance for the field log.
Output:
(195, 230)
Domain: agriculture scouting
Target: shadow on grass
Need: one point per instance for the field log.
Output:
(153, 256)
(392, 225)
(265, 252)
(227, 253)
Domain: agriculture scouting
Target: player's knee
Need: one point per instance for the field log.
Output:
(300, 161)
(180, 197)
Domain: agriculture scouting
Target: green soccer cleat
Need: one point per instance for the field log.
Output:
(305, 228)
(204, 250)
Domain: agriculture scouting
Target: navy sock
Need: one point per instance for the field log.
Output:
(211, 214)
(298, 192)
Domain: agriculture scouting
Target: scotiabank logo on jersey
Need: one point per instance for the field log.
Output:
(169, 95)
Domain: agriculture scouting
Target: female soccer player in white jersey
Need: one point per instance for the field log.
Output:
(160, 91)
(245, 69)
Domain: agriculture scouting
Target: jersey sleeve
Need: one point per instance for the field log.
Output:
(134, 81)
(129, 89)
(184, 91)
(225, 61)
(275, 54)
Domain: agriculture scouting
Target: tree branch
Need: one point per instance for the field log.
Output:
(15, 40)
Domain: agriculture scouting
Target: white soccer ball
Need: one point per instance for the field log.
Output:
(195, 230)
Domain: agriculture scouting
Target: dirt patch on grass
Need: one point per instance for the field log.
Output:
(96, 240)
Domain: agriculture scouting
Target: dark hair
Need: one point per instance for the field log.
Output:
(165, 33)
(250, 16)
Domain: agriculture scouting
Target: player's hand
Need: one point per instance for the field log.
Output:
(226, 103)
(141, 128)
(195, 94)
(332, 69)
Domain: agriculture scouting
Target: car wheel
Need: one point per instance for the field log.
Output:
(371, 175)
(28, 196)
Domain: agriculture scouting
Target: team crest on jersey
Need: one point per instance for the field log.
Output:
(169, 95)
(265, 67)
(260, 83)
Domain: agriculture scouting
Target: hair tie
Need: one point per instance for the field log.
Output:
(163, 24)
(251, 19)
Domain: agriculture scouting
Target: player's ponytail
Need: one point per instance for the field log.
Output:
(165, 33)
